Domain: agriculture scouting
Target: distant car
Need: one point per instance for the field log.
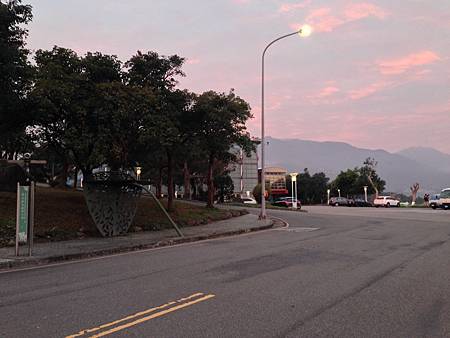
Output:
(386, 201)
(444, 199)
(248, 200)
(339, 201)
(286, 202)
(434, 201)
(359, 202)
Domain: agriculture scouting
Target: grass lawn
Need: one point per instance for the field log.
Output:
(63, 215)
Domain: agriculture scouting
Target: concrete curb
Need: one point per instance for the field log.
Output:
(28, 262)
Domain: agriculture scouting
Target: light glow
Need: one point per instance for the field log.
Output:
(305, 31)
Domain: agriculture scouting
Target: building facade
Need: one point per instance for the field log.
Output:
(244, 172)
(276, 178)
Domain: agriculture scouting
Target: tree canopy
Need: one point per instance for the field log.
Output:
(16, 75)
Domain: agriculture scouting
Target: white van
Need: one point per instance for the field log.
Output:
(444, 199)
(386, 201)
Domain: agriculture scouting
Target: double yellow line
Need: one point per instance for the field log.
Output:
(143, 316)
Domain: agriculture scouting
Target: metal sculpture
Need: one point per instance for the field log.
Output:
(112, 199)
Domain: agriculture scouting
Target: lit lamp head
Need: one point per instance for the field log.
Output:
(138, 171)
(294, 177)
(305, 31)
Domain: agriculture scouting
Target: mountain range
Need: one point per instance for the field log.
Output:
(427, 166)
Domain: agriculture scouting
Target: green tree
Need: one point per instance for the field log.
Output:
(370, 178)
(352, 181)
(85, 111)
(222, 119)
(257, 192)
(224, 185)
(16, 75)
(167, 127)
(310, 189)
(346, 181)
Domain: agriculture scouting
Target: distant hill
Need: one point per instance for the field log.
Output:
(399, 170)
(428, 156)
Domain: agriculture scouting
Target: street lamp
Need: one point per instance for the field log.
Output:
(328, 196)
(339, 192)
(138, 173)
(294, 188)
(304, 31)
(365, 193)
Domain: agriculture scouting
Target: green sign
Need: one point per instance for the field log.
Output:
(23, 213)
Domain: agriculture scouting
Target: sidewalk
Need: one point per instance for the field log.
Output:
(76, 249)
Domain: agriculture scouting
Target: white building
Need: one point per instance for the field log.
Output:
(244, 172)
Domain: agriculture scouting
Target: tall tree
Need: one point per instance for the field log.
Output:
(311, 189)
(222, 120)
(346, 182)
(166, 128)
(414, 190)
(85, 111)
(16, 75)
(370, 176)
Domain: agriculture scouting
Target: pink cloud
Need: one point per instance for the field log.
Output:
(325, 92)
(323, 20)
(288, 7)
(401, 65)
(363, 10)
(193, 61)
(371, 89)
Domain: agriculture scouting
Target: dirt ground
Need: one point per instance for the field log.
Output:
(63, 214)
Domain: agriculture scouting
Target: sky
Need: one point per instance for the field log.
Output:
(375, 74)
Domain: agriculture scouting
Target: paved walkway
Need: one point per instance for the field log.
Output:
(82, 248)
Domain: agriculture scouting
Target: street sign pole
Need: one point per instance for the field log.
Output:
(31, 220)
(17, 218)
(23, 215)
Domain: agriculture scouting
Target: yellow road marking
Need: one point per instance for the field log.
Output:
(155, 315)
(83, 332)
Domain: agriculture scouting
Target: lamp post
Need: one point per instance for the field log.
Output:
(294, 189)
(138, 173)
(365, 193)
(339, 192)
(304, 31)
(328, 196)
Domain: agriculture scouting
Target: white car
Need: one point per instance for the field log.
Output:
(434, 201)
(248, 200)
(386, 201)
(444, 199)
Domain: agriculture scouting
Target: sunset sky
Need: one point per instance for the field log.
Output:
(374, 74)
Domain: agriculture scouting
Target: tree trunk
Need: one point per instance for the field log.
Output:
(159, 183)
(210, 183)
(373, 186)
(75, 178)
(170, 190)
(187, 182)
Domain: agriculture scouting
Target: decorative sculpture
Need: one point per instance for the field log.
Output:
(112, 199)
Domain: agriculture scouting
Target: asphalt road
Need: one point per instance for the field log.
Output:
(335, 272)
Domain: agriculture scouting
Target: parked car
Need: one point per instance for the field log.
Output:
(339, 201)
(386, 201)
(286, 202)
(434, 201)
(359, 202)
(444, 199)
(248, 200)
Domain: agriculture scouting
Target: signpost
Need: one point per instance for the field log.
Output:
(25, 216)
(25, 205)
